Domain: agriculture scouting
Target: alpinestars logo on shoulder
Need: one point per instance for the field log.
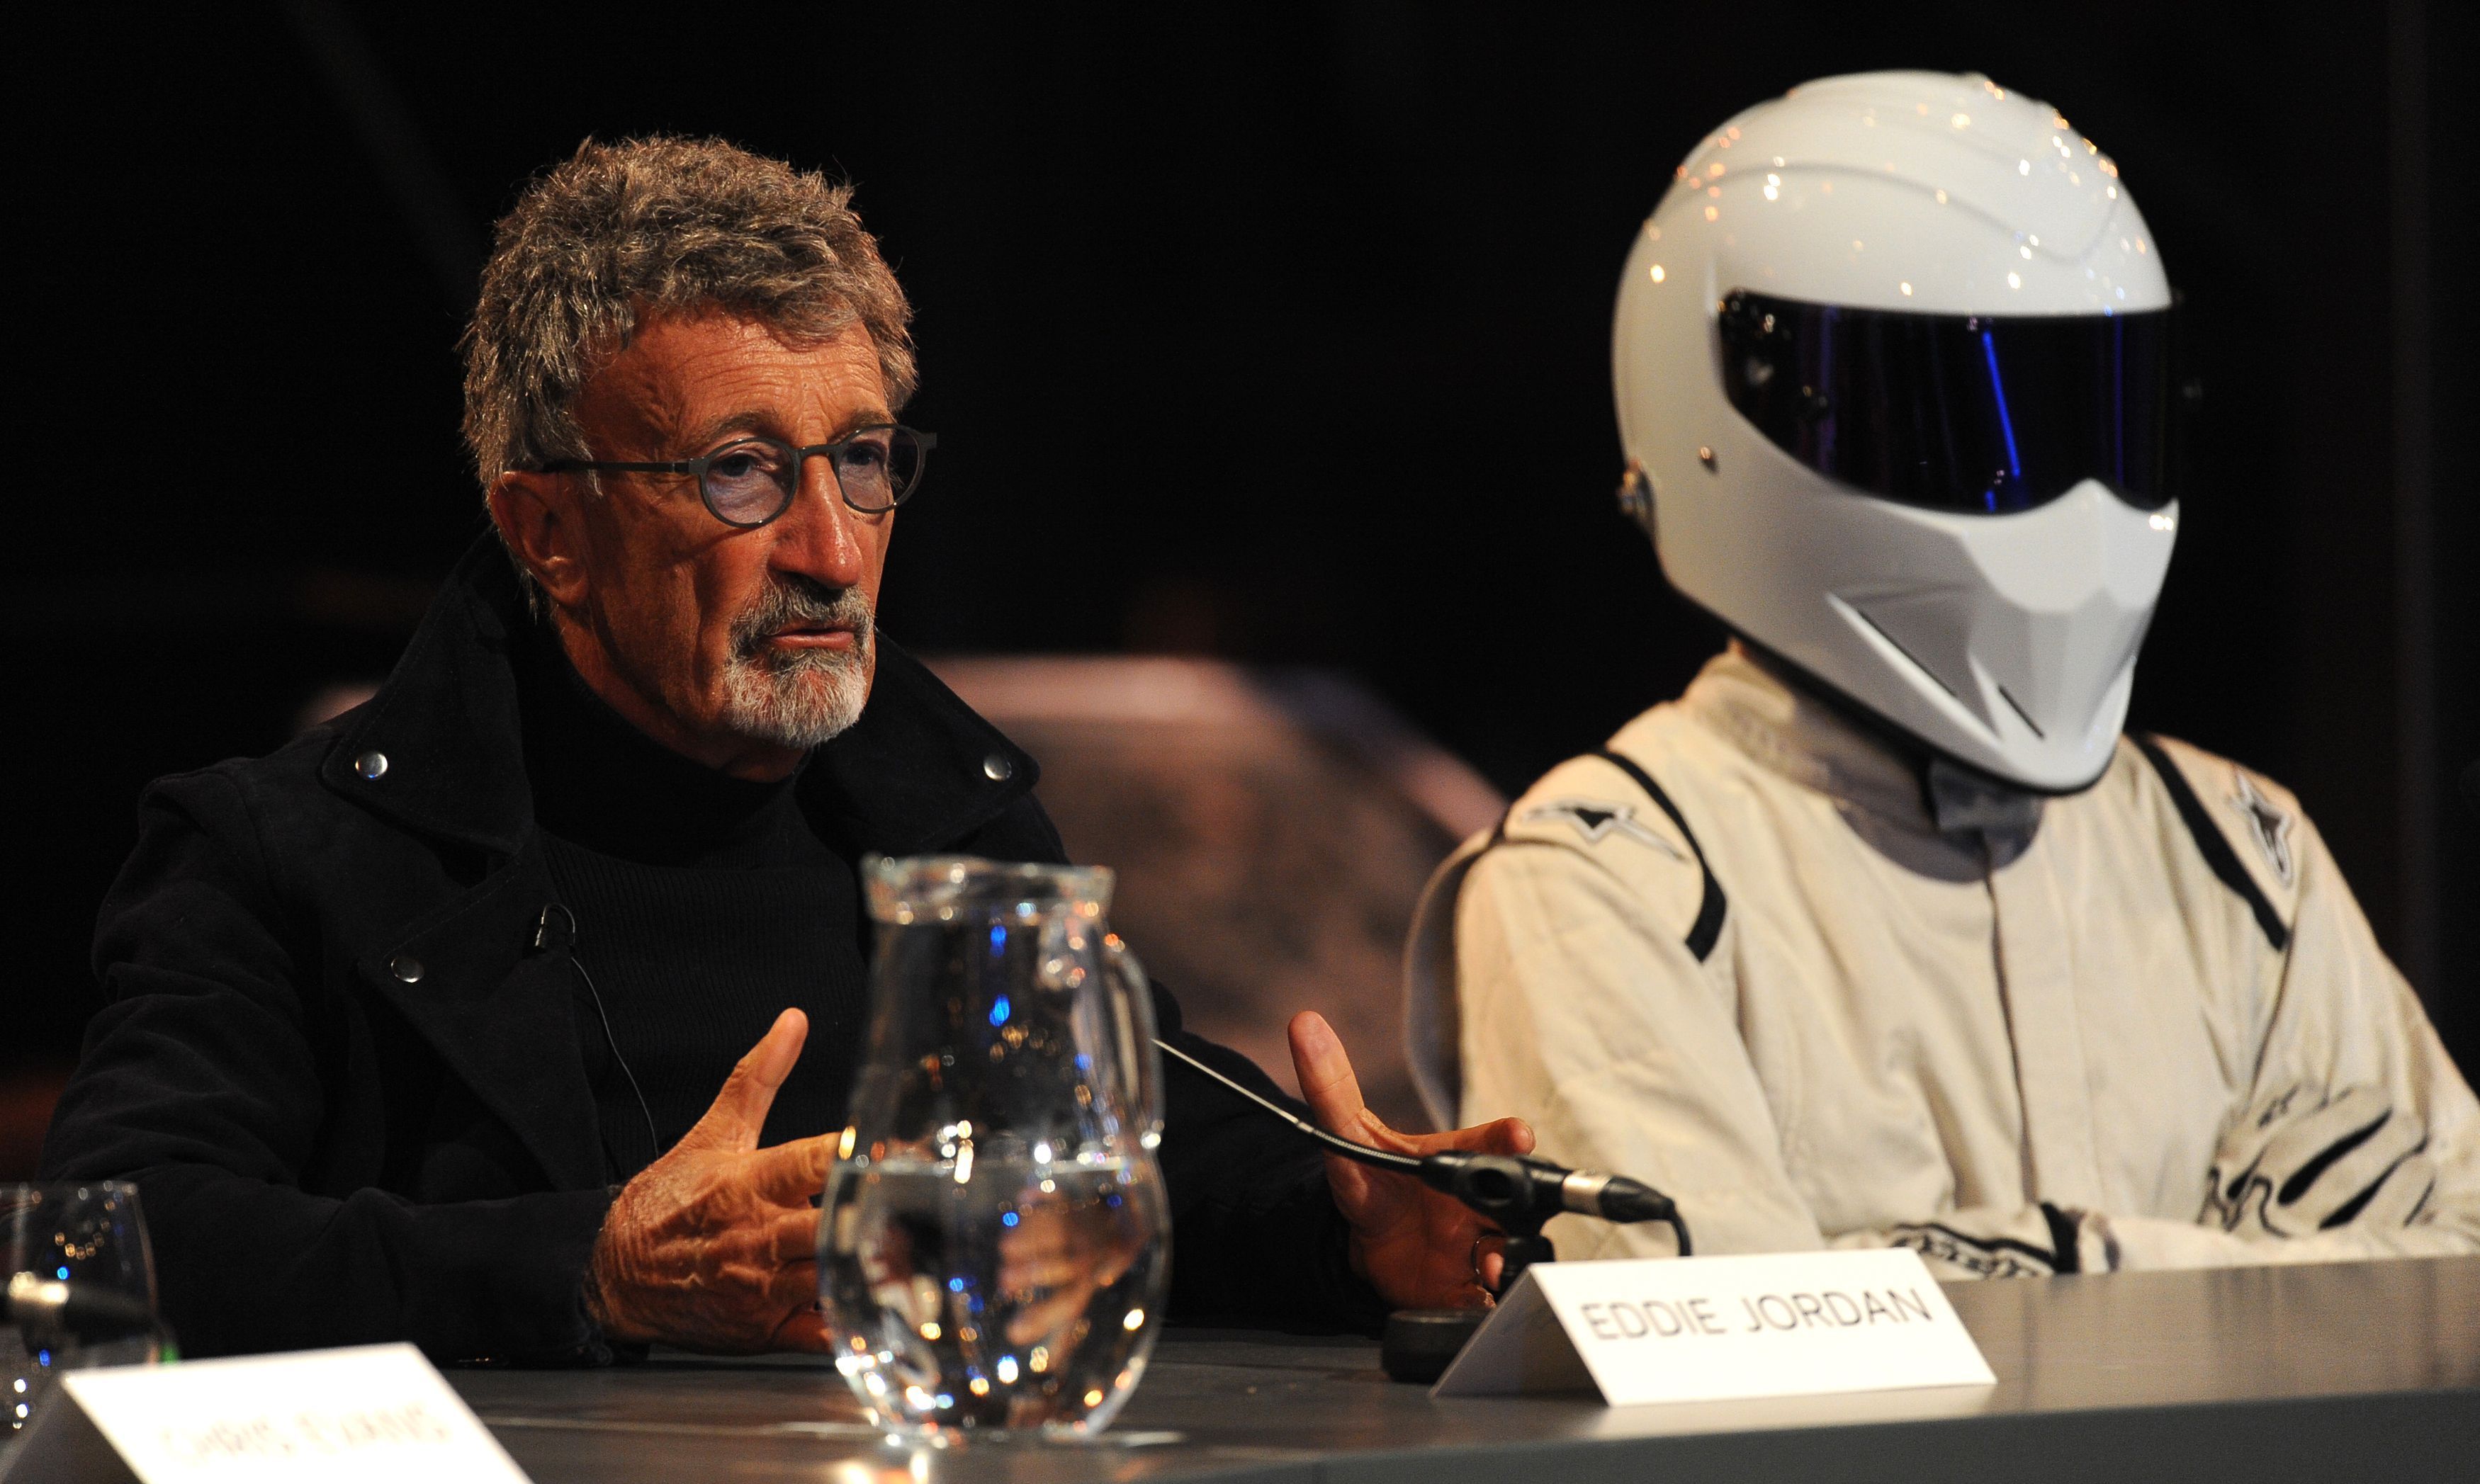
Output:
(1595, 820)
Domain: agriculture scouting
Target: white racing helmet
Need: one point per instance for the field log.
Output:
(1892, 374)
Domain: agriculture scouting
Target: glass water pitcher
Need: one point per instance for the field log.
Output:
(994, 1245)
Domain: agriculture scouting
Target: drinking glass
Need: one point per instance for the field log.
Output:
(80, 1234)
(994, 1247)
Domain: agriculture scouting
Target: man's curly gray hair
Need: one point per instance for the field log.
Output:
(619, 233)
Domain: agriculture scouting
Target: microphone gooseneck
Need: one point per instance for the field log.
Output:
(1384, 1159)
(1517, 1192)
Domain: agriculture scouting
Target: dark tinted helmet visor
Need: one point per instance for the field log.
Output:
(1978, 413)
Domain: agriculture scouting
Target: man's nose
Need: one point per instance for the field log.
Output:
(818, 536)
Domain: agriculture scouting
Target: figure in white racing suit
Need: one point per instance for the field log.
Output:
(1882, 933)
(1819, 1002)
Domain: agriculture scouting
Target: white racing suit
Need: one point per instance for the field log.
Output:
(1751, 955)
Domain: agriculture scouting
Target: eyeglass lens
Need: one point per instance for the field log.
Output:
(750, 482)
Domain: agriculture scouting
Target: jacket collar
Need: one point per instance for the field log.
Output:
(440, 750)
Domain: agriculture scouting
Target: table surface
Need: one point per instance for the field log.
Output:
(2330, 1373)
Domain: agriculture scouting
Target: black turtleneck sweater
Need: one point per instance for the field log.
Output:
(704, 904)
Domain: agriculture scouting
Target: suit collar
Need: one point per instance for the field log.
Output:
(1815, 741)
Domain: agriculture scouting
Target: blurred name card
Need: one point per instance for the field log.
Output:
(1715, 1328)
(370, 1415)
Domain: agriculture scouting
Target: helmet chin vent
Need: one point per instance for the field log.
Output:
(1931, 629)
(2022, 715)
(2002, 680)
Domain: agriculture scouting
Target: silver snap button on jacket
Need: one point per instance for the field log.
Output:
(370, 765)
(996, 768)
(406, 967)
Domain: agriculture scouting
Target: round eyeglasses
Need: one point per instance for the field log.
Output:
(750, 481)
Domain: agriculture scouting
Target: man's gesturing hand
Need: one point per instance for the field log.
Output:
(714, 1246)
(1418, 1248)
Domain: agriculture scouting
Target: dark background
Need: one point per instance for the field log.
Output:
(1278, 334)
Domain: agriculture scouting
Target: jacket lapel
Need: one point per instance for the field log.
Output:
(501, 1013)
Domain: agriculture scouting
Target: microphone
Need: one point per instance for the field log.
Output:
(42, 1305)
(1518, 1191)
(1553, 1187)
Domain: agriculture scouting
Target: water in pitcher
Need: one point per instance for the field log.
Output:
(994, 1244)
(1004, 1291)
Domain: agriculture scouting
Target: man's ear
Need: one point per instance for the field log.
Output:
(535, 519)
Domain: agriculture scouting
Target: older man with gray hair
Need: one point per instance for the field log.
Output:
(415, 1026)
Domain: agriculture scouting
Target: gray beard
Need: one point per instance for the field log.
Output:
(803, 698)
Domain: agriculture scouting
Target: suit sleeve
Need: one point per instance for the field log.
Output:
(1585, 1012)
(204, 1080)
(2359, 1136)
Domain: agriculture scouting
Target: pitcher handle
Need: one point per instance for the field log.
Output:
(1136, 1023)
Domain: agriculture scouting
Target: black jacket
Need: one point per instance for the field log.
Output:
(346, 1074)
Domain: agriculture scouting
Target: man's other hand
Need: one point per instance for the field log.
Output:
(1419, 1248)
(714, 1246)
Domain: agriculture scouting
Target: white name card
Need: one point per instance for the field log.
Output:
(1713, 1328)
(372, 1415)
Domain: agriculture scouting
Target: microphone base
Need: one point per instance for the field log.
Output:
(1421, 1343)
